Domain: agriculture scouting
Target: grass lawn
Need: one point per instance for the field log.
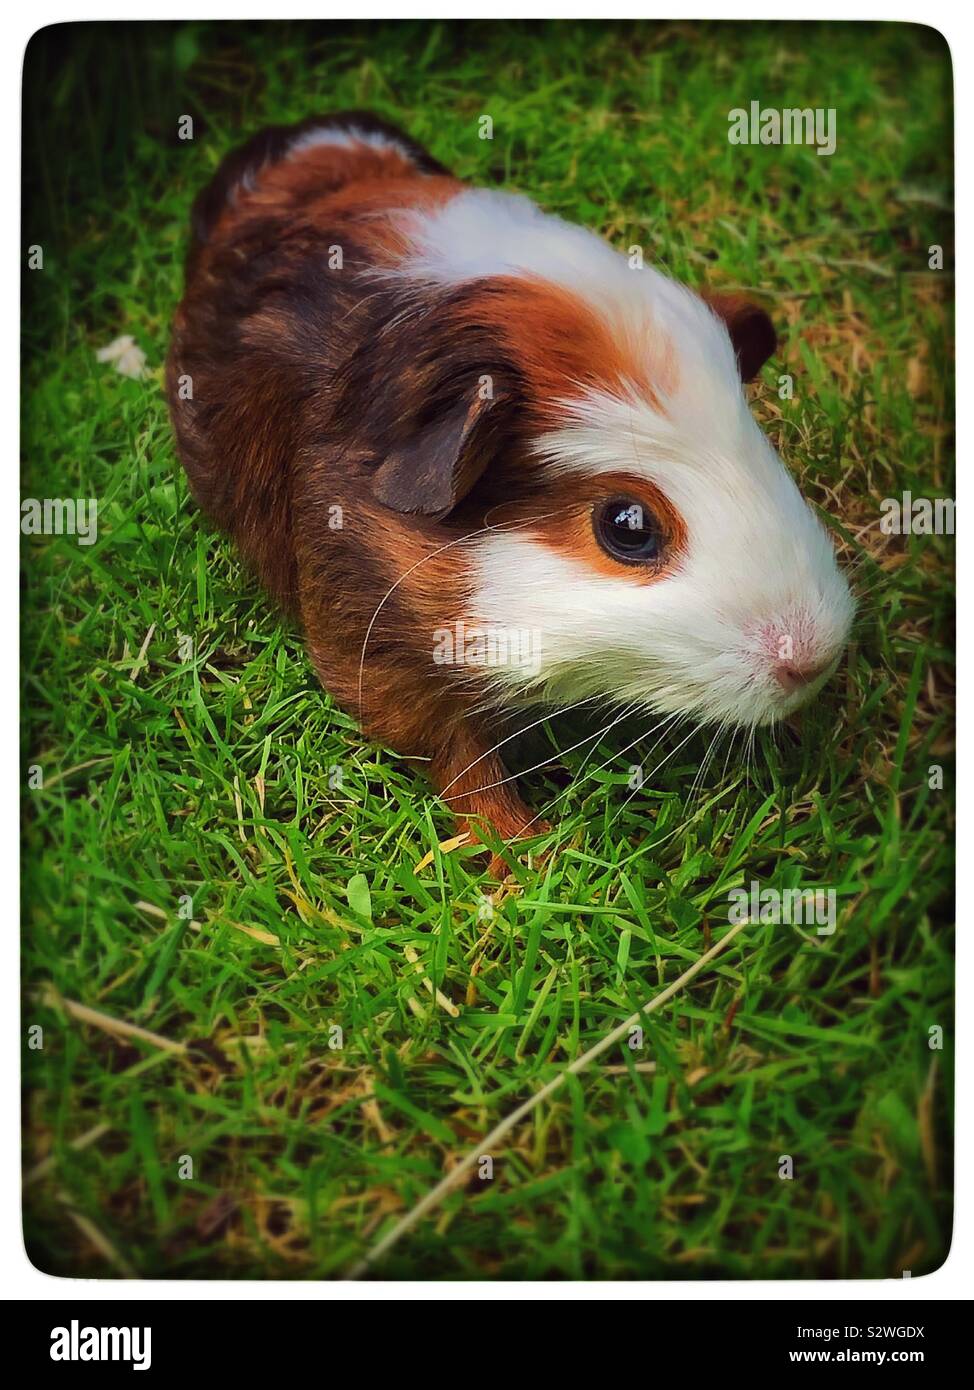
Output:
(217, 857)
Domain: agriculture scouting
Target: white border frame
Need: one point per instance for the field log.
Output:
(18, 1278)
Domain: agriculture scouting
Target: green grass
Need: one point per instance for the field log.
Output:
(208, 775)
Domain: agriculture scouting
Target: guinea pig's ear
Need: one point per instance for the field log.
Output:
(437, 466)
(751, 331)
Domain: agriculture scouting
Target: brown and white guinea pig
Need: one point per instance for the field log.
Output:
(428, 413)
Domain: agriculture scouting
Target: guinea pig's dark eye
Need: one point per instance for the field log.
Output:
(627, 531)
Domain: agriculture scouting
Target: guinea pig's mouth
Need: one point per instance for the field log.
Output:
(794, 687)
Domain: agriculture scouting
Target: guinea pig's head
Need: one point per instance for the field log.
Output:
(637, 536)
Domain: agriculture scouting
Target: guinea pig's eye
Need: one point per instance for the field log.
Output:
(627, 531)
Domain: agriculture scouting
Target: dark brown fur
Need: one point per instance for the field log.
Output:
(305, 382)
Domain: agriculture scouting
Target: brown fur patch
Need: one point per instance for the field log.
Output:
(561, 346)
(561, 514)
(365, 189)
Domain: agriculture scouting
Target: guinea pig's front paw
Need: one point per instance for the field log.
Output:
(479, 790)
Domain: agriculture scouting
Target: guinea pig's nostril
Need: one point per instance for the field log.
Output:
(792, 675)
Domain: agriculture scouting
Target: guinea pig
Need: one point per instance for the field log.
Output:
(484, 459)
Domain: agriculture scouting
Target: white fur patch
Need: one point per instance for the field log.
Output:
(483, 231)
(347, 138)
(695, 641)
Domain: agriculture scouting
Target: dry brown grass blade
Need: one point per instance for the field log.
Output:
(925, 1124)
(97, 1238)
(446, 1004)
(83, 1141)
(106, 1022)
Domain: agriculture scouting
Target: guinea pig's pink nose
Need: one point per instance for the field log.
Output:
(793, 675)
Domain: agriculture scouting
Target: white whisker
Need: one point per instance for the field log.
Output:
(516, 734)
